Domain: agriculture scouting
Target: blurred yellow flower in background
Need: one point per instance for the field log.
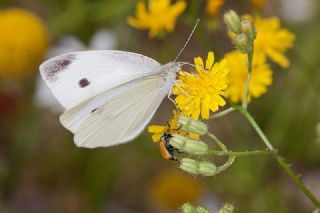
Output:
(173, 188)
(198, 94)
(158, 130)
(23, 43)
(213, 7)
(272, 41)
(261, 76)
(160, 16)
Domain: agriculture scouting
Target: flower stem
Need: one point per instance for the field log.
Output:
(231, 158)
(254, 124)
(280, 159)
(218, 142)
(297, 181)
(246, 90)
(242, 154)
(222, 113)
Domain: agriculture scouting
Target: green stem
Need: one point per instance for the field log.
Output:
(231, 158)
(251, 120)
(241, 154)
(222, 113)
(218, 142)
(297, 181)
(246, 90)
(280, 159)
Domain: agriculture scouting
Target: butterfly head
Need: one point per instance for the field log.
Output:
(171, 68)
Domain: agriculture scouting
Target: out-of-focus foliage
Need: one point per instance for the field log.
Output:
(41, 170)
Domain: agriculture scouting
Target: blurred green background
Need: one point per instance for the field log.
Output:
(41, 170)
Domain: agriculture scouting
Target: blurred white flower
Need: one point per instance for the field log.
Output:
(102, 39)
(298, 11)
(210, 201)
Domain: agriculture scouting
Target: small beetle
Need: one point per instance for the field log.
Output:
(166, 150)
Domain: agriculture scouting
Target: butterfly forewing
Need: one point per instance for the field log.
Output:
(75, 77)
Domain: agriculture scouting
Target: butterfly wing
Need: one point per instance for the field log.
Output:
(116, 116)
(75, 77)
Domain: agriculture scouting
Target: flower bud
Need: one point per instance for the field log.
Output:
(200, 209)
(248, 28)
(198, 168)
(195, 147)
(242, 43)
(178, 141)
(189, 165)
(227, 208)
(207, 169)
(193, 126)
(187, 208)
(232, 20)
(188, 145)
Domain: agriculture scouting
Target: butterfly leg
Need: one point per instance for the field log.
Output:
(169, 94)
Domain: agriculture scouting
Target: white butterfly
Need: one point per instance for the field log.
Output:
(109, 96)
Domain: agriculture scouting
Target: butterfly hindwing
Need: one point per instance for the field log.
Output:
(123, 116)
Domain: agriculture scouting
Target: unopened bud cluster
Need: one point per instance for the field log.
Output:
(226, 208)
(195, 147)
(243, 28)
(193, 126)
(189, 208)
(195, 167)
(188, 145)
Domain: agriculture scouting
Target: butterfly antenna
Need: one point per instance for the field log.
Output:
(184, 46)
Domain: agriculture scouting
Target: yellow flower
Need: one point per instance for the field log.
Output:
(213, 7)
(172, 188)
(261, 76)
(160, 16)
(201, 92)
(272, 41)
(158, 130)
(23, 43)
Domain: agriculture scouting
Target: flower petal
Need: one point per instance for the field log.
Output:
(210, 60)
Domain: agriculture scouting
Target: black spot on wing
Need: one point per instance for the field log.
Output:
(84, 82)
(53, 68)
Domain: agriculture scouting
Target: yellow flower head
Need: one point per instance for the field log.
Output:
(213, 7)
(272, 41)
(261, 76)
(160, 16)
(172, 127)
(201, 92)
(23, 43)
